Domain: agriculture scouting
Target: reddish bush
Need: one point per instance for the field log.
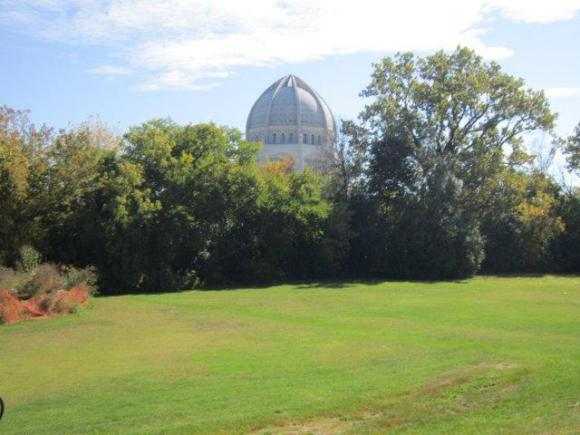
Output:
(10, 307)
(48, 289)
(33, 309)
(14, 310)
(67, 301)
(40, 304)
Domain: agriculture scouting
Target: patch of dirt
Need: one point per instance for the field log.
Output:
(480, 392)
(461, 376)
(321, 426)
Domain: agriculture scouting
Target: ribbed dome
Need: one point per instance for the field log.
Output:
(291, 112)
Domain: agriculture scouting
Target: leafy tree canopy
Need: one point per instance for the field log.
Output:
(453, 103)
(573, 150)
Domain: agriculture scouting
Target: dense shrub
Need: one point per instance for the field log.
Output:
(46, 278)
(75, 276)
(44, 291)
(188, 205)
(29, 260)
(414, 224)
(10, 278)
(13, 309)
(521, 224)
(565, 249)
(66, 301)
(433, 236)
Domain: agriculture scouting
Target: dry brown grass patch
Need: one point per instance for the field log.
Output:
(473, 387)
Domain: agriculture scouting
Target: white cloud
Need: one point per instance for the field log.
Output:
(177, 80)
(537, 11)
(563, 92)
(110, 70)
(181, 44)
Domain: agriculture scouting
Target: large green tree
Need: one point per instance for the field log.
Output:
(73, 173)
(182, 205)
(275, 231)
(454, 105)
(439, 131)
(23, 166)
(181, 188)
(573, 150)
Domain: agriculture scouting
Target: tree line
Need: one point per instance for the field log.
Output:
(432, 181)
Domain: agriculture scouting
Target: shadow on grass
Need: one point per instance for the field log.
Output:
(373, 282)
(333, 284)
(330, 284)
(516, 275)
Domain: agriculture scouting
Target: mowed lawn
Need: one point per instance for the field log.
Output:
(485, 355)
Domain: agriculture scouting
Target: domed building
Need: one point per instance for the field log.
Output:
(291, 119)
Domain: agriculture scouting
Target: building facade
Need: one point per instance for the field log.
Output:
(292, 120)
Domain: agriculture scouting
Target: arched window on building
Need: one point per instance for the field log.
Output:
(305, 138)
(274, 138)
(283, 138)
(319, 140)
(291, 138)
(312, 140)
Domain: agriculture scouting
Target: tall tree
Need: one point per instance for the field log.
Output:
(345, 159)
(23, 166)
(573, 150)
(455, 104)
(73, 173)
(440, 129)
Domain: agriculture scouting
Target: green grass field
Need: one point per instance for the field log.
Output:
(486, 355)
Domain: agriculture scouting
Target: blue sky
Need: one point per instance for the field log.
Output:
(198, 60)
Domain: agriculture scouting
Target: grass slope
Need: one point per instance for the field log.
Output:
(484, 355)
